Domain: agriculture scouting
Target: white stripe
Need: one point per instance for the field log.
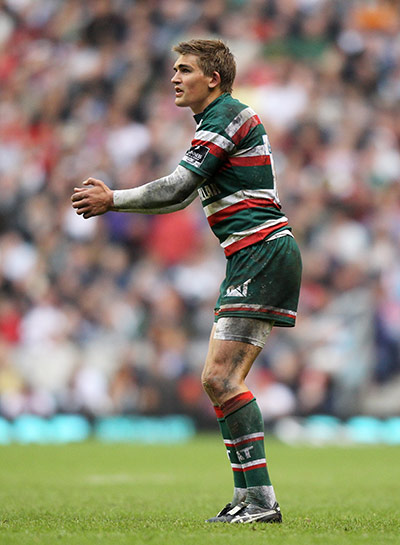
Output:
(228, 442)
(284, 233)
(254, 463)
(235, 509)
(249, 518)
(239, 196)
(257, 435)
(214, 138)
(236, 237)
(237, 466)
(256, 151)
(259, 307)
(239, 121)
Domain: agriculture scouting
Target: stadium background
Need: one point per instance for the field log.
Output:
(111, 315)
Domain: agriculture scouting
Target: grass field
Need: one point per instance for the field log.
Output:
(93, 493)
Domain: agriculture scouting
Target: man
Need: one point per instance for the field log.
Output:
(229, 165)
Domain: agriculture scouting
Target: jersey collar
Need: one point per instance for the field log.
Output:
(221, 98)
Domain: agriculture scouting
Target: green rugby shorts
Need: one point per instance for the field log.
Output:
(263, 281)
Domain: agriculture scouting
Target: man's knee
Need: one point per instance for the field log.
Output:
(211, 381)
(217, 383)
(226, 368)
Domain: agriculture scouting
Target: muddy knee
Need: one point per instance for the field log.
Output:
(211, 382)
(218, 387)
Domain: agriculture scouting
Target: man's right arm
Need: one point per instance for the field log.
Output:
(167, 194)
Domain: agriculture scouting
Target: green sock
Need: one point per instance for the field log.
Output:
(239, 481)
(246, 427)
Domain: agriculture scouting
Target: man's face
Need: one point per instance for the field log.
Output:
(192, 87)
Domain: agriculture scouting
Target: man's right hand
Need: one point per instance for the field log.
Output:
(92, 200)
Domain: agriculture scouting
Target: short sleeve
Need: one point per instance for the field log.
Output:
(209, 149)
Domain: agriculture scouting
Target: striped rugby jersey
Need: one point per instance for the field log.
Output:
(231, 150)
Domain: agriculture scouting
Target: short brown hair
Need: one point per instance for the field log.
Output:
(214, 56)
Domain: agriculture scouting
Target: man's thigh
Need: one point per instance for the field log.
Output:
(229, 361)
(247, 330)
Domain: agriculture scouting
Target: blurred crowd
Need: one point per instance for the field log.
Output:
(112, 315)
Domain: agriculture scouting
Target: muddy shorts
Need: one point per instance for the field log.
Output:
(263, 281)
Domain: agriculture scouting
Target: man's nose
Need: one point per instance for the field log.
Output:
(175, 78)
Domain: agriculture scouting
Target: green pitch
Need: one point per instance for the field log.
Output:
(93, 493)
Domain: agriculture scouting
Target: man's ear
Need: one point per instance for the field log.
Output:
(215, 80)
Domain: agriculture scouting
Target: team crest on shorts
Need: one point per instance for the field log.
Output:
(238, 291)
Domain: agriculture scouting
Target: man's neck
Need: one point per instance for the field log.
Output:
(211, 97)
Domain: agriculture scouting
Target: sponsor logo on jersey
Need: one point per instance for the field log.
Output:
(196, 155)
(207, 191)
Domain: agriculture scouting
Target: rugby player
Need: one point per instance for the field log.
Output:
(229, 165)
